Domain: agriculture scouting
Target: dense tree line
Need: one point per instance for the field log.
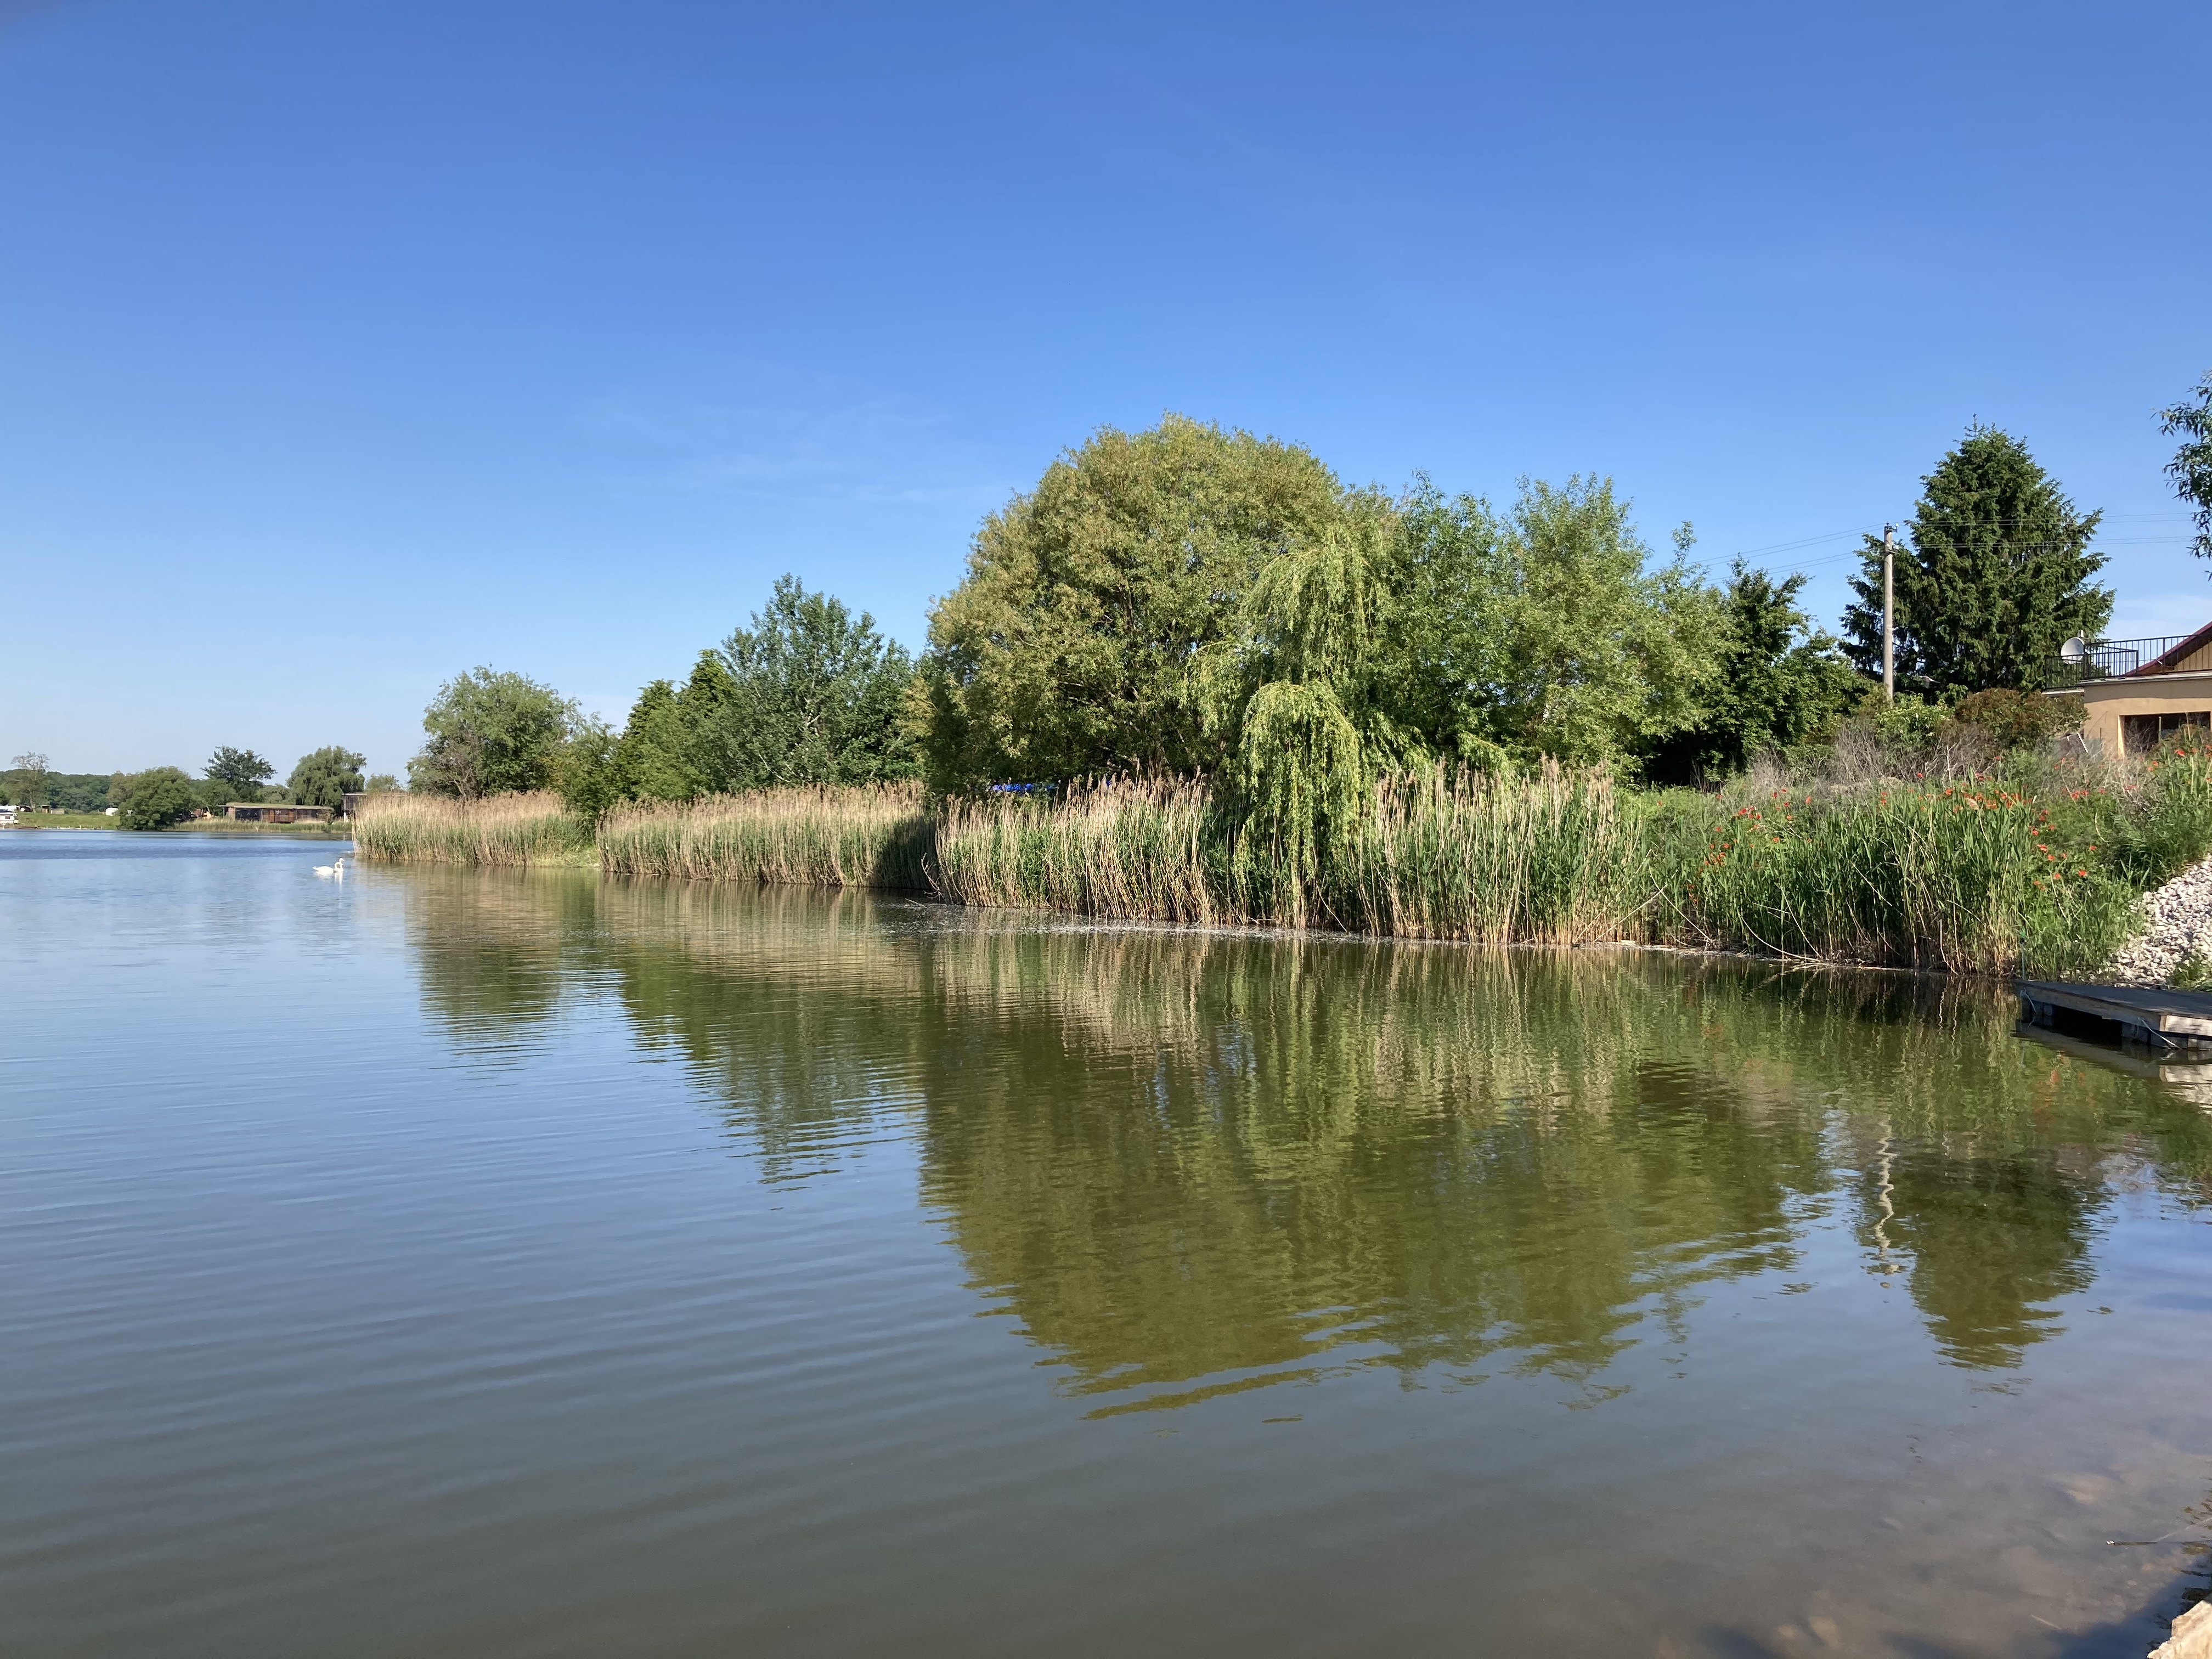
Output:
(1192, 599)
(808, 693)
(30, 781)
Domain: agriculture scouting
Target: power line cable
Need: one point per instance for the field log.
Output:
(1866, 550)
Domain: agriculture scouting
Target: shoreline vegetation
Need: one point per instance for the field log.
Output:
(44, 819)
(340, 829)
(2037, 865)
(1192, 678)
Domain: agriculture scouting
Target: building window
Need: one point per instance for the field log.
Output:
(2143, 732)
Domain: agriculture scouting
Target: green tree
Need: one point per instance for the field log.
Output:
(658, 756)
(1074, 644)
(74, 792)
(1994, 578)
(1781, 683)
(1550, 631)
(326, 777)
(2190, 469)
(1435, 630)
(27, 782)
(240, 771)
(810, 694)
(586, 772)
(383, 783)
(155, 799)
(491, 733)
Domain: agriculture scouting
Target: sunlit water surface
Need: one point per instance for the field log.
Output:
(451, 1263)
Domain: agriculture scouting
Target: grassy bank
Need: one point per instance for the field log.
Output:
(44, 820)
(2038, 866)
(341, 830)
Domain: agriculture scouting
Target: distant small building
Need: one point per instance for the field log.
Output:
(7, 815)
(2136, 692)
(353, 798)
(240, 811)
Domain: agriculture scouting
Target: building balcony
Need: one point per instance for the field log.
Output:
(2081, 663)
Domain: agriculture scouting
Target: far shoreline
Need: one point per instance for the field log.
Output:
(342, 830)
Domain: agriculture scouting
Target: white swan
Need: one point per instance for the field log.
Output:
(337, 869)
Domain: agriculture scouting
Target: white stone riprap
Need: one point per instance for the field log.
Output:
(2192, 1636)
(2177, 922)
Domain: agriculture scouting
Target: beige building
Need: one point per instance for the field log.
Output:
(245, 812)
(2135, 693)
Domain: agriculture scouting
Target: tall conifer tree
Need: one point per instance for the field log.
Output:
(1993, 575)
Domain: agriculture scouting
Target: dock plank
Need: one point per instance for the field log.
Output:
(2171, 1016)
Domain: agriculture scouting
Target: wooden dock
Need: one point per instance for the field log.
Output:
(2166, 1019)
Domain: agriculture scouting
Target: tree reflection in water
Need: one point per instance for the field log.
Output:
(1192, 1163)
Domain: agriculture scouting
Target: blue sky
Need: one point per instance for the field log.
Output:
(345, 346)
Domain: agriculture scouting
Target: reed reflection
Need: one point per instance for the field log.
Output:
(497, 953)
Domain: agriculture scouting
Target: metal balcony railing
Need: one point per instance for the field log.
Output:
(2106, 659)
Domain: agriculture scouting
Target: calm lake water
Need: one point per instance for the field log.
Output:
(487, 1263)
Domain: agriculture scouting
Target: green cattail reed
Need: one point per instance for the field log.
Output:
(1548, 858)
(1968, 878)
(1127, 851)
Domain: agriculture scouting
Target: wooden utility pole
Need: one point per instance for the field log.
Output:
(1888, 613)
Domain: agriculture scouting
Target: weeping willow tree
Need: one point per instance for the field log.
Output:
(1427, 636)
(1295, 699)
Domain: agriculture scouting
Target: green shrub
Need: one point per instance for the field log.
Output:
(155, 799)
(2019, 719)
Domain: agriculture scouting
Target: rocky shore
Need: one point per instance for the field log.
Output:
(2178, 924)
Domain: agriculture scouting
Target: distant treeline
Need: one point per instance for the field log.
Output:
(63, 792)
(163, 795)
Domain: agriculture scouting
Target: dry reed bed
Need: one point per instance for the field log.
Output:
(504, 829)
(879, 836)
